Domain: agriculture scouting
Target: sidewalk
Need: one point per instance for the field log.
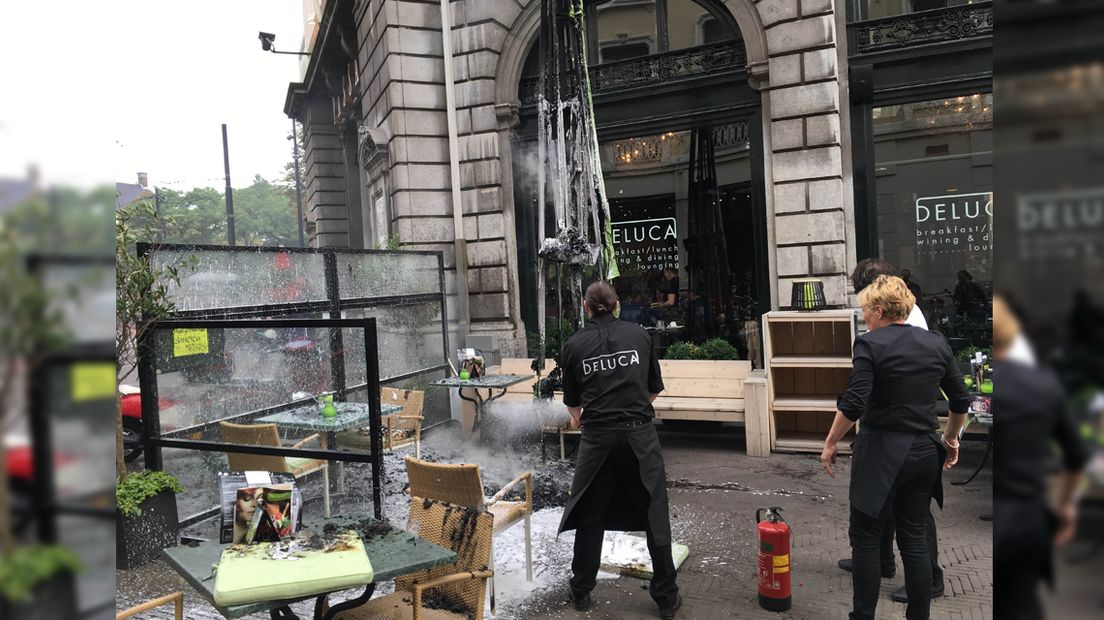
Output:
(714, 489)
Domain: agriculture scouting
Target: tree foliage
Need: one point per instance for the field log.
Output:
(264, 214)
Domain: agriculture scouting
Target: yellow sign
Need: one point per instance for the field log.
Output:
(781, 564)
(189, 342)
(92, 381)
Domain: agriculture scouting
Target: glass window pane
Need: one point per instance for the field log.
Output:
(626, 29)
(889, 8)
(690, 24)
(225, 279)
(933, 172)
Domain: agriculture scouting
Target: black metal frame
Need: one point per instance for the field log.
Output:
(153, 441)
(334, 304)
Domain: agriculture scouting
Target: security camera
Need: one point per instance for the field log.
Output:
(268, 41)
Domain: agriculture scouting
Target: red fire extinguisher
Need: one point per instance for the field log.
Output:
(774, 559)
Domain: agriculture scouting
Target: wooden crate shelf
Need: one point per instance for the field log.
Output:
(808, 366)
(810, 361)
(796, 441)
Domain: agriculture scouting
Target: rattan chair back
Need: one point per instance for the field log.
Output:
(467, 531)
(253, 435)
(455, 483)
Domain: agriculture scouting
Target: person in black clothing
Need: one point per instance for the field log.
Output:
(609, 382)
(897, 373)
(1032, 410)
(913, 287)
(865, 273)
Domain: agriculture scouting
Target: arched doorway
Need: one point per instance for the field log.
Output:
(679, 129)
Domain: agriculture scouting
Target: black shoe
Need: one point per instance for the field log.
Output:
(901, 596)
(669, 613)
(581, 601)
(845, 564)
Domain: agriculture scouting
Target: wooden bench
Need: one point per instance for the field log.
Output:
(711, 391)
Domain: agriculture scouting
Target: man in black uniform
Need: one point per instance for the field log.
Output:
(610, 380)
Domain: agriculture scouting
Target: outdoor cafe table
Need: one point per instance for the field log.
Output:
(486, 382)
(308, 418)
(392, 555)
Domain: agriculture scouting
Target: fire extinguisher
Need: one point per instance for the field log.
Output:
(774, 559)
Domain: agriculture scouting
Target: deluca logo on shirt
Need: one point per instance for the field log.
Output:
(611, 361)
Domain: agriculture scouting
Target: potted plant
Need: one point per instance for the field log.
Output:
(147, 520)
(36, 583)
(712, 349)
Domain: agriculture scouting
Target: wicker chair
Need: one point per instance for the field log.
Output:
(268, 435)
(460, 587)
(399, 430)
(461, 484)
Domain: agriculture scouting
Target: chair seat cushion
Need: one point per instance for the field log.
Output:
(397, 606)
(508, 513)
(299, 464)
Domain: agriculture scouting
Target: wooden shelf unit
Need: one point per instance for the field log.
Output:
(808, 365)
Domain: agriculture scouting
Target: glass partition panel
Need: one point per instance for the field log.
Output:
(409, 338)
(211, 279)
(387, 275)
(84, 294)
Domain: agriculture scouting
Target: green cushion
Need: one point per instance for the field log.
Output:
(295, 462)
(251, 574)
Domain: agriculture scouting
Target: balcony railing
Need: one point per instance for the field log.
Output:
(935, 26)
(654, 69)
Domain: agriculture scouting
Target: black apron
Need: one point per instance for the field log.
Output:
(632, 509)
(876, 458)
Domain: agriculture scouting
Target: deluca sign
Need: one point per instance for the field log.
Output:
(611, 361)
(643, 245)
(954, 224)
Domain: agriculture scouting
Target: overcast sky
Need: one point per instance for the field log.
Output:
(94, 92)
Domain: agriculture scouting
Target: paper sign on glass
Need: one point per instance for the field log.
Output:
(92, 381)
(189, 342)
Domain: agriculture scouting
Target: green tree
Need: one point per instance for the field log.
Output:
(141, 295)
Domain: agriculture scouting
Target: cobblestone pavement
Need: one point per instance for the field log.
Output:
(714, 489)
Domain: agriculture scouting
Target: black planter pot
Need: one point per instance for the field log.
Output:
(140, 539)
(52, 599)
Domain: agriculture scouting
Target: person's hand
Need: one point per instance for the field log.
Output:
(828, 457)
(1067, 524)
(952, 452)
(576, 422)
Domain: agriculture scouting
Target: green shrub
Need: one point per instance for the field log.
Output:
(137, 488)
(683, 351)
(712, 349)
(718, 349)
(967, 354)
(26, 567)
(551, 337)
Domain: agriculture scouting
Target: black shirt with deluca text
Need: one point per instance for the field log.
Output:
(609, 371)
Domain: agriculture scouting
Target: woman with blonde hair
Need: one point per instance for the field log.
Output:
(898, 371)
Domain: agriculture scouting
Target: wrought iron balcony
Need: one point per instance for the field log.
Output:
(654, 69)
(934, 26)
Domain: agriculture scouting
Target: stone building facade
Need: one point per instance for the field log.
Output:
(379, 161)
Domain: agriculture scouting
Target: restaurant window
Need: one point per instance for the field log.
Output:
(890, 8)
(933, 170)
(635, 28)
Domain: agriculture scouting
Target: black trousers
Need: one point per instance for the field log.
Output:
(909, 507)
(621, 469)
(1022, 548)
(890, 562)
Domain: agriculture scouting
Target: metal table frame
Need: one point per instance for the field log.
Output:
(487, 382)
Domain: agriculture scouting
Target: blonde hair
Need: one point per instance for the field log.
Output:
(891, 294)
(1005, 325)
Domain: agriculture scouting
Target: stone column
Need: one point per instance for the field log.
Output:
(324, 183)
(812, 195)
